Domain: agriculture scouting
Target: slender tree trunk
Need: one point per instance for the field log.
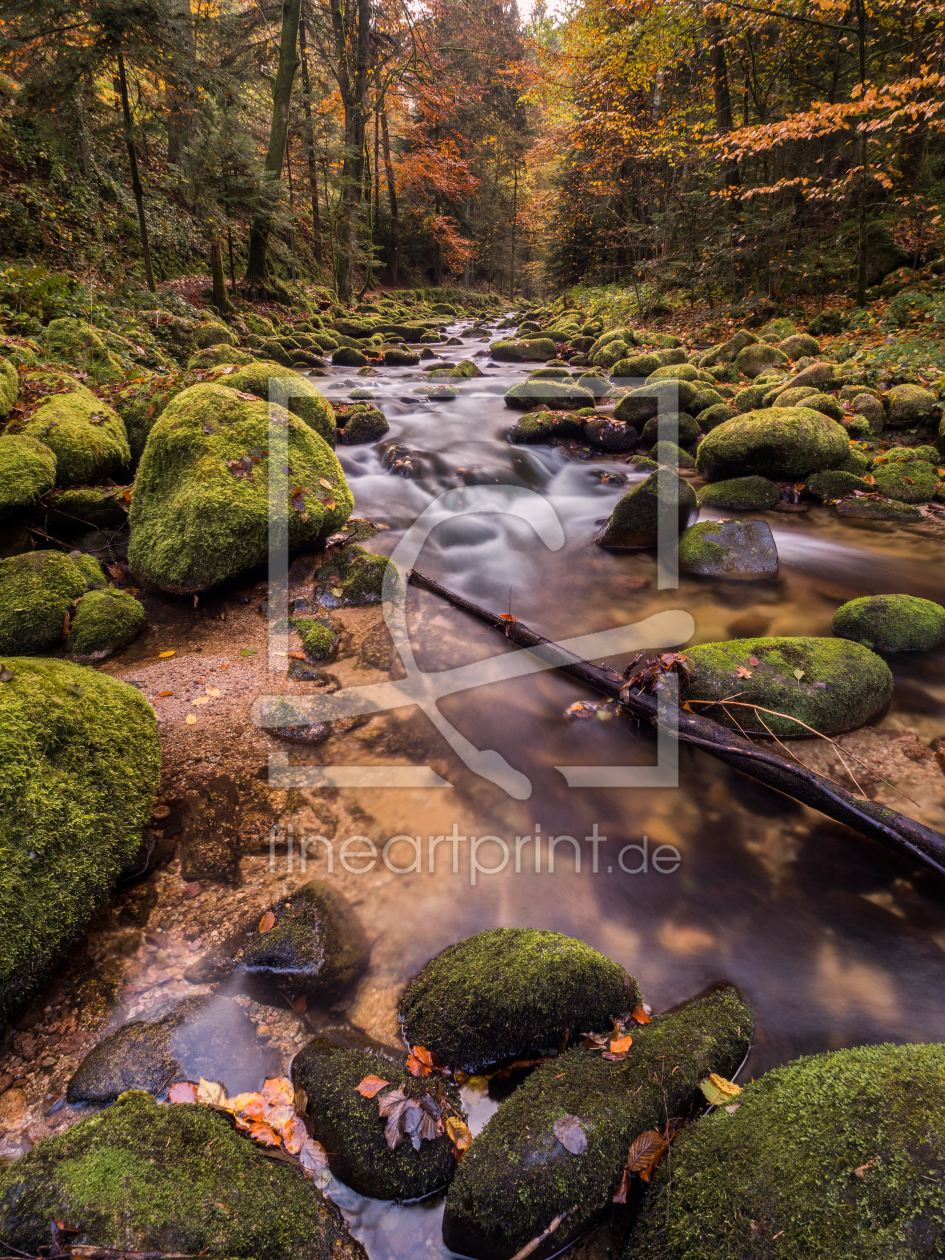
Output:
(514, 219)
(181, 98)
(394, 258)
(354, 97)
(310, 142)
(278, 136)
(861, 217)
(135, 177)
(220, 299)
(723, 97)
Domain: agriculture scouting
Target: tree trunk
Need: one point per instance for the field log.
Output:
(393, 259)
(723, 97)
(354, 98)
(135, 177)
(861, 216)
(181, 98)
(220, 299)
(310, 143)
(278, 136)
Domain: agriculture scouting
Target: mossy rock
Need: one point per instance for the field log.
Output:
(791, 396)
(856, 462)
(37, 590)
(536, 349)
(401, 358)
(752, 360)
(517, 1176)
(212, 334)
(674, 372)
(687, 429)
(835, 484)
(751, 399)
(9, 387)
(593, 381)
(799, 346)
(891, 623)
(319, 640)
(712, 417)
(827, 405)
(368, 424)
(909, 405)
(200, 511)
(842, 685)
(878, 509)
(560, 397)
(75, 508)
(914, 482)
(104, 622)
(304, 400)
(352, 577)
(549, 374)
(729, 549)
(85, 434)
(606, 433)
(347, 356)
(81, 760)
(635, 365)
(705, 399)
(671, 455)
(820, 373)
(642, 404)
(777, 442)
(91, 570)
(27, 470)
(662, 501)
(75, 341)
(742, 494)
(511, 992)
(729, 350)
(543, 426)
(141, 405)
(137, 1178)
(907, 455)
(835, 1155)
(780, 328)
(215, 356)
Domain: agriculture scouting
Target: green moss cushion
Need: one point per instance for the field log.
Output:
(744, 494)
(508, 991)
(304, 400)
(169, 1179)
(554, 394)
(891, 623)
(81, 759)
(831, 1157)
(86, 435)
(9, 387)
(664, 501)
(37, 590)
(103, 622)
(27, 470)
(842, 685)
(912, 482)
(212, 334)
(776, 442)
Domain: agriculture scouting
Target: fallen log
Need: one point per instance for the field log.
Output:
(894, 830)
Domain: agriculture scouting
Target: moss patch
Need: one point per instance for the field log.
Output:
(891, 623)
(544, 426)
(9, 387)
(305, 401)
(554, 394)
(667, 397)
(212, 334)
(352, 577)
(27, 470)
(214, 356)
(86, 435)
(104, 622)
(366, 424)
(913, 482)
(835, 484)
(744, 494)
(37, 590)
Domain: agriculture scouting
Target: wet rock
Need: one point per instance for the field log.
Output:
(27, 470)
(509, 993)
(908, 482)
(210, 843)
(351, 1128)
(835, 484)
(744, 494)
(662, 501)
(368, 424)
(137, 1177)
(203, 1036)
(877, 509)
(642, 404)
(402, 460)
(104, 622)
(831, 685)
(891, 623)
(660, 428)
(777, 442)
(352, 577)
(671, 455)
(908, 405)
(867, 1155)
(517, 1176)
(730, 549)
(347, 356)
(635, 366)
(544, 426)
(554, 394)
(608, 434)
(401, 358)
(288, 721)
(538, 349)
(315, 945)
(319, 637)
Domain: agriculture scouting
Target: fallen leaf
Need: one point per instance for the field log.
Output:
(279, 1091)
(421, 1062)
(164, 693)
(861, 1171)
(191, 719)
(247, 651)
(294, 1135)
(328, 504)
(267, 922)
(645, 1154)
(370, 1086)
(718, 1090)
(569, 1133)
(211, 1092)
(798, 674)
(247, 397)
(459, 1135)
(201, 700)
(182, 1092)
(742, 672)
(620, 1045)
(214, 692)
(260, 1132)
(640, 1014)
(753, 660)
(162, 655)
(326, 484)
(314, 1161)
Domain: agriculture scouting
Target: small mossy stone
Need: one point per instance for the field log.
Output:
(595, 383)
(891, 623)
(842, 685)
(776, 442)
(751, 399)
(663, 500)
(907, 455)
(729, 350)
(81, 760)
(401, 358)
(856, 462)
(351, 1128)
(352, 577)
(319, 640)
(362, 427)
(214, 356)
(819, 373)
(659, 428)
(509, 992)
(798, 345)
(27, 470)
(68, 511)
(674, 372)
(37, 590)
(712, 417)
(9, 387)
(913, 482)
(347, 356)
(877, 509)
(743, 494)
(538, 349)
(705, 399)
(671, 455)
(872, 410)
(635, 366)
(554, 394)
(137, 1178)
(86, 435)
(836, 1155)
(606, 433)
(517, 1176)
(91, 570)
(835, 484)
(642, 404)
(827, 405)
(792, 396)
(908, 405)
(213, 334)
(543, 426)
(103, 622)
(315, 946)
(729, 549)
(74, 340)
(291, 390)
(549, 374)
(752, 360)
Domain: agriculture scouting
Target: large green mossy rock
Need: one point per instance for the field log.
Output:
(9, 387)
(200, 511)
(80, 759)
(168, 1180)
(891, 623)
(831, 685)
(742, 494)
(347, 356)
(267, 380)
(908, 405)
(103, 622)
(217, 356)
(665, 397)
(517, 1176)
(664, 502)
(351, 1128)
(833, 1156)
(776, 442)
(554, 394)
(535, 350)
(213, 334)
(908, 482)
(729, 549)
(510, 992)
(27, 470)
(37, 590)
(140, 405)
(86, 435)
(752, 360)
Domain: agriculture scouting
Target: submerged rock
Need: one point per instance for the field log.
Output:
(744, 494)
(829, 684)
(891, 623)
(837, 1155)
(663, 501)
(138, 1178)
(104, 622)
(365, 424)
(517, 1176)
(511, 992)
(776, 442)
(352, 577)
(27, 470)
(731, 549)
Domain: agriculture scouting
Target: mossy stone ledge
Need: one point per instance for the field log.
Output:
(891, 623)
(775, 442)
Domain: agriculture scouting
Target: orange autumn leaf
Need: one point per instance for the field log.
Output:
(262, 1134)
(640, 1015)
(182, 1092)
(646, 1153)
(620, 1045)
(280, 1118)
(459, 1135)
(241, 1101)
(421, 1061)
(267, 922)
(370, 1086)
(255, 1108)
(278, 1090)
(294, 1136)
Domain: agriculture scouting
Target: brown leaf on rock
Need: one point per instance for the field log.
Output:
(640, 1014)
(421, 1062)
(569, 1133)
(646, 1153)
(742, 672)
(371, 1086)
(267, 922)
(279, 1091)
(262, 1133)
(460, 1135)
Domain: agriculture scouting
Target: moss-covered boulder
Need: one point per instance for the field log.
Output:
(9, 387)
(776, 442)
(750, 399)
(91, 569)
(351, 577)
(200, 511)
(27, 470)
(401, 358)
(642, 404)
(872, 410)
(555, 394)
(729, 549)
(792, 396)
(366, 424)
(215, 356)
(141, 404)
(38, 592)
(606, 433)
(304, 400)
(351, 1128)
(660, 428)
(511, 992)
(827, 405)
(891, 623)
(536, 349)
(103, 622)
(517, 1175)
(549, 374)
(909, 405)
(347, 356)
(836, 1155)
(908, 482)
(832, 685)
(671, 455)
(705, 399)
(742, 494)
(674, 372)
(76, 508)
(543, 426)
(857, 462)
(713, 416)
(819, 373)
(214, 334)
(81, 758)
(635, 365)
(77, 342)
(752, 360)
(138, 1178)
(662, 502)
(875, 508)
(834, 484)
(86, 435)
(799, 346)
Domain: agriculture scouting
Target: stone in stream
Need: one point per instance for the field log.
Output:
(671, 455)
(743, 494)
(834, 484)
(351, 1128)
(908, 482)
(665, 397)
(304, 400)
(543, 426)
(27, 470)
(517, 1175)
(538, 349)
(606, 433)
(511, 993)
(877, 509)
(833, 1155)
(168, 1180)
(347, 356)
(103, 622)
(351, 577)
(81, 763)
(730, 549)
(659, 428)
(401, 358)
(662, 501)
(776, 442)
(554, 394)
(202, 1036)
(365, 424)
(278, 716)
(831, 685)
(891, 623)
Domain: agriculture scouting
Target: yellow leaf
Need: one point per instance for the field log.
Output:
(190, 719)
(211, 1092)
(202, 700)
(214, 692)
(718, 1090)
(173, 652)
